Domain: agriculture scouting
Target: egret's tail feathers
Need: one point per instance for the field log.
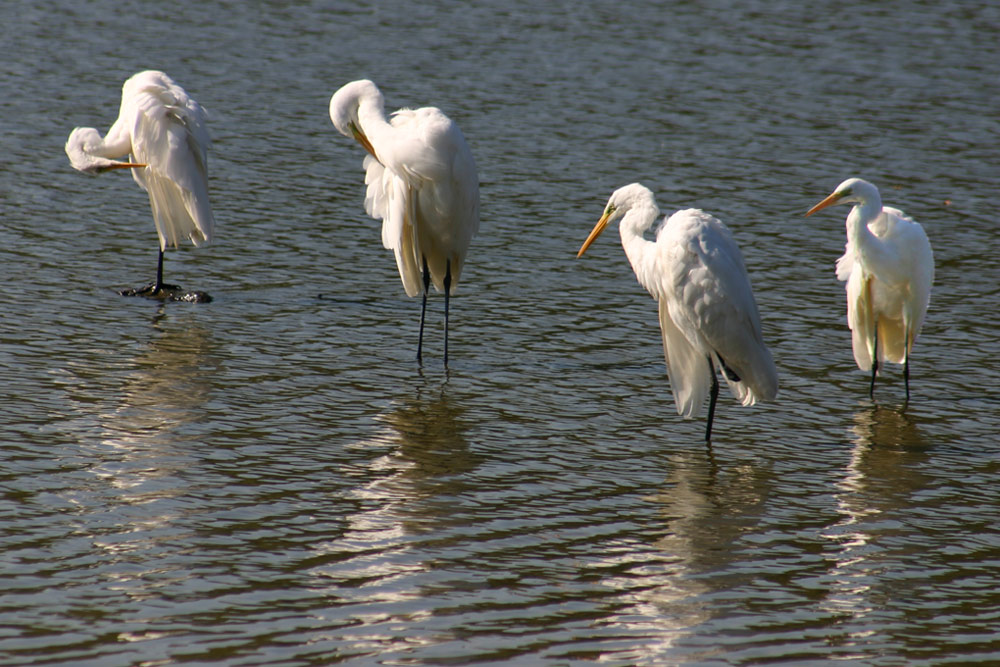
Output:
(755, 381)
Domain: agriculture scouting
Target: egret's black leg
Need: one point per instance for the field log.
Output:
(447, 296)
(871, 388)
(906, 375)
(423, 309)
(158, 285)
(161, 290)
(714, 394)
(153, 288)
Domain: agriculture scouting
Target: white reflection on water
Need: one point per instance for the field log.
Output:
(142, 448)
(705, 516)
(375, 564)
(879, 479)
(166, 390)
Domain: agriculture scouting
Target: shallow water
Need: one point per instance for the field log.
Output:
(272, 479)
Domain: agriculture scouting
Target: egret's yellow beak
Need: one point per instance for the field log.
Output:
(363, 140)
(594, 233)
(829, 201)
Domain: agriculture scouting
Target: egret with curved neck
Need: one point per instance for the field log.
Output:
(164, 130)
(708, 316)
(888, 265)
(421, 182)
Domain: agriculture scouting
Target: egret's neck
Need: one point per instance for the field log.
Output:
(863, 213)
(371, 117)
(870, 251)
(641, 252)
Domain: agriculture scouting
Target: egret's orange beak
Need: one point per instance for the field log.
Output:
(363, 140)
(121, 165)
(594, 233)
(829, 201)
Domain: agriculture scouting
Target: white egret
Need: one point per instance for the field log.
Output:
(708, 316)
(889, 269)
(164, 131)
(422, 184)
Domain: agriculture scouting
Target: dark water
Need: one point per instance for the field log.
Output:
(272, 479)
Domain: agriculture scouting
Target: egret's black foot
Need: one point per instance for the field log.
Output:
(150, 290)
(167, 293)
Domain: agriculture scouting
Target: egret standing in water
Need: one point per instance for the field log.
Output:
(889, 269)
(422, 184)
(164, 131)
(708, 316)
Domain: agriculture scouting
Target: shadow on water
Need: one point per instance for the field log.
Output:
(881, 426)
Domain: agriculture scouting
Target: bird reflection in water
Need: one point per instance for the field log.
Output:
(166, 389)
(412, 490)
(141, 449)
(880, 480)
(707, 510)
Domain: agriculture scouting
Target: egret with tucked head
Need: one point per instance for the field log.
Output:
(164, 131)
(708, 315)
(422, 183)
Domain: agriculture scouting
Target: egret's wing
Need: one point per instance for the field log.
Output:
(920, 286)
(431, 155)
(464, 205)
(712, 303)
(859, 307)
(169, 136)
(917, 260)
(389, 199)
(378, 193)
(687, 368)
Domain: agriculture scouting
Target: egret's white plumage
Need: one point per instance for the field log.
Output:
(421, 182)
(888, 265)
(708, 315)
(164, 131)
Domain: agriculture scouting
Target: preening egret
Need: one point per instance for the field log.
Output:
(164, 131)
(422, 184)
(708, 316)
(889, 269)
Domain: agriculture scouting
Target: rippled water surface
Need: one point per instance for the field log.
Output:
(271, 478)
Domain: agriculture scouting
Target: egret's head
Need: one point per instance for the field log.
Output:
(621, 201)
(82, 147)
(851, 191)
(346, 104)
